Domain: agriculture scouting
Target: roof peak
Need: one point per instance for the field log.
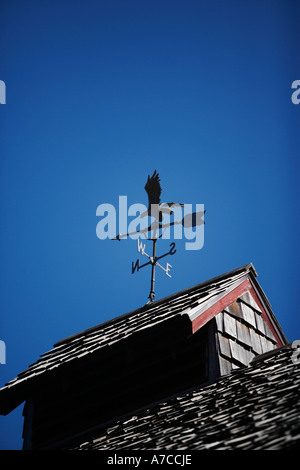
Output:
(245, 268)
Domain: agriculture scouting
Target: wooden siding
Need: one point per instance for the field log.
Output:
(242, 334)
(253, 311)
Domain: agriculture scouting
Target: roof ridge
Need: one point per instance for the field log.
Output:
(273, 352)
(247, 268)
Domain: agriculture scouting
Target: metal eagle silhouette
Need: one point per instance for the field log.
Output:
(156, 209)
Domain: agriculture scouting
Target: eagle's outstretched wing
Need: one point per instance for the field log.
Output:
(153, 189)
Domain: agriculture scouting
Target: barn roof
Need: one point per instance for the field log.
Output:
(256, 407)
(197, 305)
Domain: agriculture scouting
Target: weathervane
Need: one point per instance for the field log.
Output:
(156, 209)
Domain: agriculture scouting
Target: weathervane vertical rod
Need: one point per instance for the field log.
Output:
(152, 293)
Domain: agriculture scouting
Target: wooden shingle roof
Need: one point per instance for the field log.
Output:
(256, 407)
(197, 305)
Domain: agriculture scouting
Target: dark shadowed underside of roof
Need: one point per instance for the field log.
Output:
(117, 329)
(254, 407)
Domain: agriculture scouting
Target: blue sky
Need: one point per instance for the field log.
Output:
(98, 95)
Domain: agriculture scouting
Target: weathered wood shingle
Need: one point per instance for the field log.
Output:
(193, 303)
(254, 408)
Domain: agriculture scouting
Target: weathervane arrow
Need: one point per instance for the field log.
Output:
(189, 220)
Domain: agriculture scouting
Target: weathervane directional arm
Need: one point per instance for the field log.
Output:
(153, 260)
(138, 266)
(171, 252)
(166, 269)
